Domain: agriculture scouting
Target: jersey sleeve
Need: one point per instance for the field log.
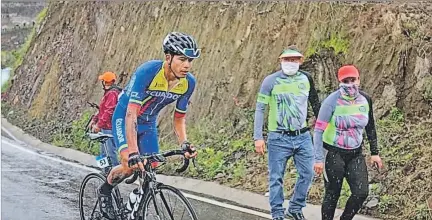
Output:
(325, 113)
(183, 101)
(138, 83)
(313, 95)
(370, 127)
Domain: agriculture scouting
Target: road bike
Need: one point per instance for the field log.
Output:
(150, 200)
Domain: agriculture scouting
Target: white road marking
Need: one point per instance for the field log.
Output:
(202, 199)
(228, 206)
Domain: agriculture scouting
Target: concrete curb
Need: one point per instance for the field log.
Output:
(206, 189)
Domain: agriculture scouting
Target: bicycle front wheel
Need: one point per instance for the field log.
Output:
(168, 203)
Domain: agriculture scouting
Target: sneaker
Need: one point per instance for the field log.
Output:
(295, 215)
(106, 206)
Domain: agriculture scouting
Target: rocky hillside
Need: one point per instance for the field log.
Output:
(390, 43)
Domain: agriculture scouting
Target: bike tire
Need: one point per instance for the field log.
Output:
(86, 179)
(162, 187)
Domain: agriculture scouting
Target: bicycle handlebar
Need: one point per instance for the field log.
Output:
(93, 105)
(161, 158)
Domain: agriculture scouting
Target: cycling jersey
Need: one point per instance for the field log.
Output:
(148, 89)
(341, 122)
(287, 98)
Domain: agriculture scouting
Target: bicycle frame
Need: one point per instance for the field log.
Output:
(148, 182)
(146, 188)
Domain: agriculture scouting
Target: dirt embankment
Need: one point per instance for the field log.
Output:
(390, 43)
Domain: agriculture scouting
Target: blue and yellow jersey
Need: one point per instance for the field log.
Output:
(148, 88)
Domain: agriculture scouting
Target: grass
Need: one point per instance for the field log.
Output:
(74, 136)
(405, 182)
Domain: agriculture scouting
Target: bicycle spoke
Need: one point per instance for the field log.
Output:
(166, 205)
(166, 208)
(94, 209)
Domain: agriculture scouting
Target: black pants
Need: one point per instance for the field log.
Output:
(352, 166)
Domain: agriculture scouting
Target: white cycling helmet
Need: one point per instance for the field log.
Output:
(181, 44)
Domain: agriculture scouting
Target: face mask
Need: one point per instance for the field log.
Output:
(290, 68)
(350, 90)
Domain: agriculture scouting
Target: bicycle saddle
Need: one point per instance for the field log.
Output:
(96, 136)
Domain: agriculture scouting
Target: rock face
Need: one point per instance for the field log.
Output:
(390, 43)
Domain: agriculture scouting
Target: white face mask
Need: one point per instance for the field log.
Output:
(290, 68)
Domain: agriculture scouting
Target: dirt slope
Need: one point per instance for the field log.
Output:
(390, 43)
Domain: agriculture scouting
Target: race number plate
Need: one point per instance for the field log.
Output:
(102, 161)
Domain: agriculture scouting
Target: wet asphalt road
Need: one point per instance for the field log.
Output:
(33, 187)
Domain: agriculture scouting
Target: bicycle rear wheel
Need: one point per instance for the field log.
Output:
(88, 203)
(168, 204)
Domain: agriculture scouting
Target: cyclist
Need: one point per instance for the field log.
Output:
(102, 121)
(339, 129)
(154, 85)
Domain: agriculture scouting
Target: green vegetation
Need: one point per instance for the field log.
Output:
(405, 151)
(336, 41)
(222, 152)
(74, 137)
(14, 58)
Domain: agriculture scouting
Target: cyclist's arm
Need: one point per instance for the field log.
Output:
(131, 127)
(262, 102)
(180, 112)
(324, 116)
(180, 128)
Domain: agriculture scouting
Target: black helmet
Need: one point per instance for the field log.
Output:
(181, 44)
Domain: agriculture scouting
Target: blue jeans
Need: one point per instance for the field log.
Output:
(110, 147)
(280, 149)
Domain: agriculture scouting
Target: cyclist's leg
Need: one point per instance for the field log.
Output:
(111, 148)
(118, 173)
(122, 171)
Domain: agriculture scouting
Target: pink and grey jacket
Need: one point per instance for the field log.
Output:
(341, 121)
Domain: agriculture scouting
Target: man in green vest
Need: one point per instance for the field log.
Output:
(287, 93)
